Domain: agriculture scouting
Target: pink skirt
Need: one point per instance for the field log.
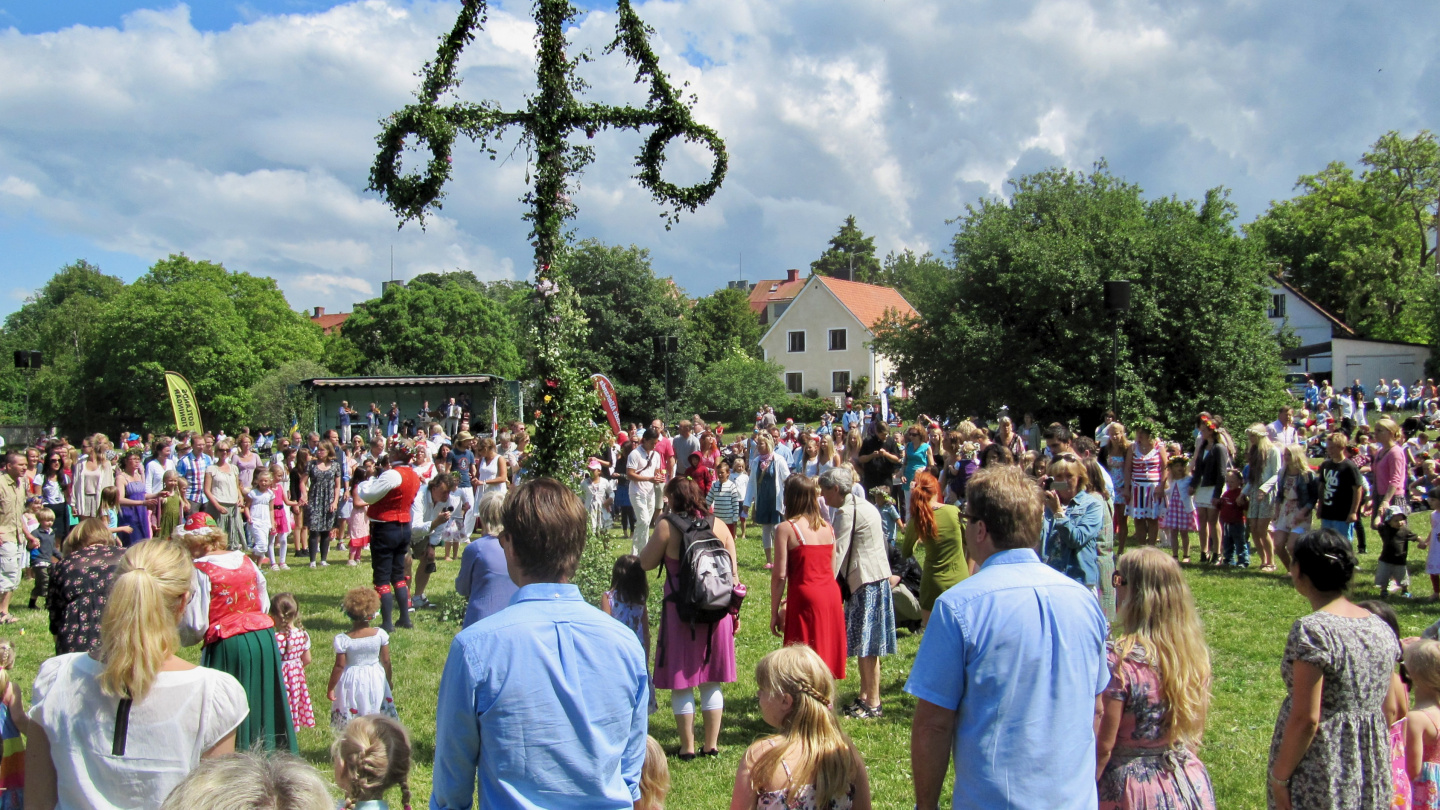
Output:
(1178, 517)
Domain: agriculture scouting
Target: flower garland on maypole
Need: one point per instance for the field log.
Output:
(567, 403)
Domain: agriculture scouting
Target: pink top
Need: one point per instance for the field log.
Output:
(1390, 469)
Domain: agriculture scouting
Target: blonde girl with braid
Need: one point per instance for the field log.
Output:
(372, 756)
(811, 764)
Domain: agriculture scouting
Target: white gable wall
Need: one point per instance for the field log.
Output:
(816, 311)
(1307, 322)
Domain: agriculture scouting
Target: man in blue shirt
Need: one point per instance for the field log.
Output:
(1010, 668)
(548, 699)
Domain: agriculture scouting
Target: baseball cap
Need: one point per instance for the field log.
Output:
(1392, 511)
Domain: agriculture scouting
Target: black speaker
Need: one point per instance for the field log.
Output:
(35, 359)
(1117, 296)
(22, 359)
(672, 344)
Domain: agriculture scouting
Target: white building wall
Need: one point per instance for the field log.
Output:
(1369, 360)
(815, 311)
(1311, 326)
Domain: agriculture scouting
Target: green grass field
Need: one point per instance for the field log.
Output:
(1247, 617)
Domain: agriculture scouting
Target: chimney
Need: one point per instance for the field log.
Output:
(319, 311)
(792, 275)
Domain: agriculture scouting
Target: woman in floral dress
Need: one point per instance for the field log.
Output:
(1337, 755)
(320, 497)
(1154, 708)
(79, 584)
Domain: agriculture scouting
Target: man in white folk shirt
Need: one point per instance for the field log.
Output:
(391, 496)
(644, 470)
(437, 515)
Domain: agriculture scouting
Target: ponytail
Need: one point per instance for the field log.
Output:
(7, 662)
(138, 631)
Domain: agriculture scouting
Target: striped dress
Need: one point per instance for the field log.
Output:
(1143, 501)
(724, 500)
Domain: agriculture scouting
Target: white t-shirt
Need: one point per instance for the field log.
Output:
(155, 474)
(185, 715)
(644, 464)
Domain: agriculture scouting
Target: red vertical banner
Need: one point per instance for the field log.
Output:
(606, 391)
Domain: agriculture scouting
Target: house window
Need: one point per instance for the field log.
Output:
(839, 380)
(794, 382)
(797, 341)
(1277, 305)
(837, 340)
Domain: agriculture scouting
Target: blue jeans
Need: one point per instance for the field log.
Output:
(1235, 544)
(1344, 528)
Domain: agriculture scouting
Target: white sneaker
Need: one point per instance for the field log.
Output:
(324, 564)
(352, 562)
(284, 567)
(274, 568)
(312, 565)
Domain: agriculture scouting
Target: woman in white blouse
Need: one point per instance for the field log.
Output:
(120, 728)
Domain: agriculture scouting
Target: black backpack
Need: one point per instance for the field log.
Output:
(706, 582)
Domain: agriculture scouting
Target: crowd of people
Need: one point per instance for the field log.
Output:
(1062, 662)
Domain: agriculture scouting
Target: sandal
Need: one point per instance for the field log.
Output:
(713, 752)
(685, 757)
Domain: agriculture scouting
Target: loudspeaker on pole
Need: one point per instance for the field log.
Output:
(1117, 296)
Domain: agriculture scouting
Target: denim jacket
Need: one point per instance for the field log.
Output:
(1070, 543)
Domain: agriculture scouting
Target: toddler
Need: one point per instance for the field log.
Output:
(740, 474)
(110, 510)
(654, 777)
(891, 523)
(173, 506)
(1391, 574)
(359, 520)
(260, 517)
(1235, 546)
(360, 681)
(280, 517)
(724, 497)
(1422, 735)
(13, 723)
(294, 645)
(1179, 518)
(627, 600)
(811, 762)
(371, 757)
(42, 556)
(31, 519)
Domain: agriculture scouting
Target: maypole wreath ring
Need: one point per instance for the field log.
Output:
(653, 157)
(411, 194)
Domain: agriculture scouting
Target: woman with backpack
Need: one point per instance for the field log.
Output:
(698, 650)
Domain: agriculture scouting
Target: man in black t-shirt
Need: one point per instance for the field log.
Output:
(1340, 489)
(879, 455)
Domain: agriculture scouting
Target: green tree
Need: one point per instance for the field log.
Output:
(1362, 247)
(849, 249)
(722, 323)
(445, 328)
(628, 308)
(1021, 322)
(59, 321)
(915, 276)
(276, 399)
(735, 384)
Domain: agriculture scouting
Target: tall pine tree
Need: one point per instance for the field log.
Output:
(849, 249)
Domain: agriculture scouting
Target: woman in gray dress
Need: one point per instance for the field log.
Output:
(320, 496)
(1331, 747)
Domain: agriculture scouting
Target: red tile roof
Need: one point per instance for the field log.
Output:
(330, 323)
(868, 302)
(770, 291)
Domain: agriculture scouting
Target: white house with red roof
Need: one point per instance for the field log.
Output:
(823, 336)
(1330, 349)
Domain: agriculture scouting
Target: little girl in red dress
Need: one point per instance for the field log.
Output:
(294, 645)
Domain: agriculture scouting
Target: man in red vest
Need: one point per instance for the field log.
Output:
(391, 495)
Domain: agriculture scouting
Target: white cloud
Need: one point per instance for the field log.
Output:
(252, 145)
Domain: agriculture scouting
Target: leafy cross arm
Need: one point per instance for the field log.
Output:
(551, 116)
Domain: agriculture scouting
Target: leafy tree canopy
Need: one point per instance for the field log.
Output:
(1362, 247)
(734, 385)
(1020, 320)
(849, 248)
(722, 323)
(628, 308)
(430, 327)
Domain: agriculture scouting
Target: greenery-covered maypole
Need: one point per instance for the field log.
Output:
(566, 403)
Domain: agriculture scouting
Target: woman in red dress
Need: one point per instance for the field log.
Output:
(805, 605)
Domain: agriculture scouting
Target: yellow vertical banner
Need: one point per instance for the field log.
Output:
(182, 399)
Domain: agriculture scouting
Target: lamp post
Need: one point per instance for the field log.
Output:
(1117, 301)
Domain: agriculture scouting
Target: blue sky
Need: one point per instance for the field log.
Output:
(243, 132)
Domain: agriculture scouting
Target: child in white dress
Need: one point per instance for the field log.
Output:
(260, 517)
(1432, 556)
(360, 680)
